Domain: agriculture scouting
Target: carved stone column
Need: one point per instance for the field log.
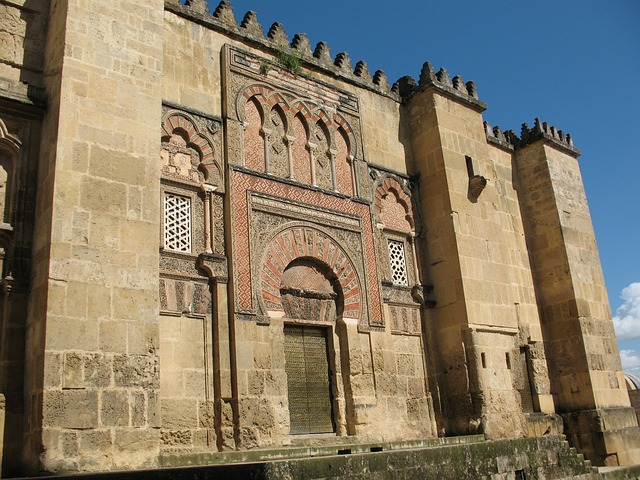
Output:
(209, 223)
(216, 268)
(332, 160)
(289, 143)
(312, 154)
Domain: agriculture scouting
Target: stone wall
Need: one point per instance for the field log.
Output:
(93, 323)
(579, 335)
(477, 260)
(205, 187)
(22, 46)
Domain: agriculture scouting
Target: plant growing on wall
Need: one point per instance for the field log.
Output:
(289, 60)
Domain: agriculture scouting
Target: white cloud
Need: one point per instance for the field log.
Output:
(630, 361)
(627, 318)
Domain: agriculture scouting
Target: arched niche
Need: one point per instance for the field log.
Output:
(254, 152)
(188, 154)
(310, 291)
(298, 249)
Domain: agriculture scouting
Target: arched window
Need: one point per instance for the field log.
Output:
(278, 161)
(300, 151)
(254, 155)
(322, 157)
(397, 232)
(344, 174)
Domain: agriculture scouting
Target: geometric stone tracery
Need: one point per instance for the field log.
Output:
(398, 263)
(177, 223)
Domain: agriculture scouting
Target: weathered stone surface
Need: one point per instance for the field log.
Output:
(227, 239)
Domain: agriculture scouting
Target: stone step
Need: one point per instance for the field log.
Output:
(535, 458)
(173, 459)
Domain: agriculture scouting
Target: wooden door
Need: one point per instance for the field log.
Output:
(308, 379)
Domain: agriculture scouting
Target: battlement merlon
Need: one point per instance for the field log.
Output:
(403, 90)
(540, 131)
(454, 87)
(276, 40)
(250, 32)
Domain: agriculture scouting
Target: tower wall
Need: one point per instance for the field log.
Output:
(477, 260)
(588, 382)
(92, 374)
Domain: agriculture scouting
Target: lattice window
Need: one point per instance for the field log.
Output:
(177, 223)
(398, 263)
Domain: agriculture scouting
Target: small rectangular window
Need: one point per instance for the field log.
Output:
(177, 223)
(397, 261)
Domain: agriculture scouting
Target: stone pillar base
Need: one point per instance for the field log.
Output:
(608, 436)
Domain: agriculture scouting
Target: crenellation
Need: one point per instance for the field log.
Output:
(224, 13)
(458, 84)
(322, 54)
(380, 79)
(542, 130)
(251, 26)
(278, 36)
(343, 62)
(224, 18)
(441, 80)
(301, 45)
(443, 77)
(497, 136)
(427, 75)
(362, 71)
(471, 89)
(197, 6)
(528, 135)
(405, 86)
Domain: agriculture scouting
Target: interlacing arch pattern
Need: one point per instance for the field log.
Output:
(178, 122)
(305, 242)
(390, 199)
(317, 121)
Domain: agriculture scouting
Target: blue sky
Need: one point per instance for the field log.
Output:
(574, 64)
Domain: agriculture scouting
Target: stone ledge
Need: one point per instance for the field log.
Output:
(337, 447)
(453, 458)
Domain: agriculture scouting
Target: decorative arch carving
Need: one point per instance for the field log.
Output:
(296, 242)
(9, 142)
(343, 125)
(322, 161)
(259, 93)
(182, 138)
(253, 135)
(275, 127)
(325, 131)
(300, 151)
(389, 196)
(343, 164)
